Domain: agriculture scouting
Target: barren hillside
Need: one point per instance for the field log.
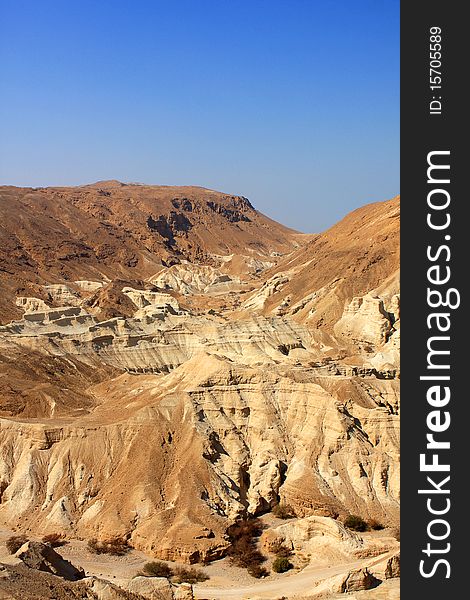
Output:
(112, 230)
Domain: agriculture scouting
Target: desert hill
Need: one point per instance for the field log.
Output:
(112, 230)
(355, 256)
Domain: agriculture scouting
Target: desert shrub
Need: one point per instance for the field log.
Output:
(276, 545)
(375, 525)
(355, 523)
(283, 511)
(284, 552)
(95, 546)
(116, 546)
(248, 528)
(15, 542)
(156, 568)
(278, 548)
(281, 564)
(113, 546)
(189, 575)
(243, 551)
(54, 539)
(257, 571)
(249, 559)
(241, 546)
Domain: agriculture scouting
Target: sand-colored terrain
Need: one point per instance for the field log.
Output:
(172, 361)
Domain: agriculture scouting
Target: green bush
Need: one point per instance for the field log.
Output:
(156, 569)
(281, 564)
(15, 542)
(355, 523)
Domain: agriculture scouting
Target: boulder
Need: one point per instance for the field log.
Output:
(43, 557)
(183, 592)
(365, 321)
(360, 579)
(153, 588)
(104, 590)
(392, 568)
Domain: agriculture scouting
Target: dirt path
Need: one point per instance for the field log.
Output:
(288, 584)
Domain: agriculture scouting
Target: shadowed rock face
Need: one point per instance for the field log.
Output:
(358, 580)
(232, 216)
(163, 404)
(168, 227)
(43, 557)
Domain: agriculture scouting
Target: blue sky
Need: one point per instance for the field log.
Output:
(292, 103)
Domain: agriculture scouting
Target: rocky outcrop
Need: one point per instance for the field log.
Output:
(231, 215)
(389, 568)
(183, 592)
(170, 226)
(43, 557)
(153, 588)
(62, 295)
(393, 567)
(361, 579)
(365, 322)
(356, 580)
(196, 279)
(160, 336)
(105, 590)
(31, 304)
(156, 300)
(272, 286)
(321, 537)
(18, 582)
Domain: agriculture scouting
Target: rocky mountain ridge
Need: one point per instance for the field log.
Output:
(112, 230)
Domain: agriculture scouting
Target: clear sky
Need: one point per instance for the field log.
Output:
(292, 103)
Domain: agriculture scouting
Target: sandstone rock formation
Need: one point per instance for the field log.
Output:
(323, 537)
(153, 588)
(43, 557)
(361, 579)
